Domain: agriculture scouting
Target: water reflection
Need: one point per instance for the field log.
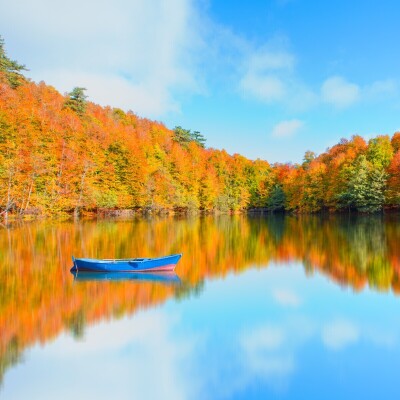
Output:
(166, 277)
(39, 299)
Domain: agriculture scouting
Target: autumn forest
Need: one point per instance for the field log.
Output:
(64, 155)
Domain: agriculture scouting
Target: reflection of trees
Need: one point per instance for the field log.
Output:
(10, 357)
(366, 237)
(185, 290)
(76, 324)
(39, 299)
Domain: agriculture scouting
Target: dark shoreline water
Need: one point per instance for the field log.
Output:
(245, 279)
(129, 214)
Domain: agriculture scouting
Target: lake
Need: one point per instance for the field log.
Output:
(267, 307)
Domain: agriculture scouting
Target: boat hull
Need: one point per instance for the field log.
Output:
(161, 264)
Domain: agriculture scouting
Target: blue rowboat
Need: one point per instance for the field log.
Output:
(161, 264)
(158, 277)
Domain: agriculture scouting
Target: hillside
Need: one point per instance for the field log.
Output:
(62, 154)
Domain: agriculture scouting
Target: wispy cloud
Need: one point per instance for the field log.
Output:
(145, 98)
(287, 128)
(132, 54)
(286, 298)
(261, 78)
(144, 56)
(267, 60)
(142, 347)
(269, 75)
(267, 88)
(382, 89)
(265, 356)
(339, 334)
(339, 92)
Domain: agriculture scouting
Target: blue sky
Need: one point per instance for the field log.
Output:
(268, 79)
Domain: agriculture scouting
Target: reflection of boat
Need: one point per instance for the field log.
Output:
(163, 277)
(167, 263)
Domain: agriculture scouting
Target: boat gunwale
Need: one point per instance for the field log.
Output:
(126, 260)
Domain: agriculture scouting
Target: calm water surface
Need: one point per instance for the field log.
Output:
(267, 307)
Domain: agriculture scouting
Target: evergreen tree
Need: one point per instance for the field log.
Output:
(77, 100)
(376, 196)
(277, 199)
(358, 185)
(366, 187)
(198, 138)
(184, 136)
(11, 69)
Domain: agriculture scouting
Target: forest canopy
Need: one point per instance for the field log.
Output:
(62, 154)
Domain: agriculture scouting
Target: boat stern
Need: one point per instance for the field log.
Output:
(74, 267)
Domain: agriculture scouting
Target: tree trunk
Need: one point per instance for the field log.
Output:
(8, 203)
(79, 203)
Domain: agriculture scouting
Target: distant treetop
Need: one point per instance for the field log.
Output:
(184, 136)
(76, 100)
(10, 68)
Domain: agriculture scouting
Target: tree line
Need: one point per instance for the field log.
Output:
(62, 154)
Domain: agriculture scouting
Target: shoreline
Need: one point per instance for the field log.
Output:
(128, 214)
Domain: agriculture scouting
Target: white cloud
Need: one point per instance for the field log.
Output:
(261, 78)
(381, 89)
(268, 76)
(266, 88)
(264, 352)
(143, 55)
(145, 98)
(339, 334)
(380, 338)
(301, 97)
(287, 128)
(339, 93)
(271, 60)
(286, 298)
(270, 338)
(133, 54)
(140, 348)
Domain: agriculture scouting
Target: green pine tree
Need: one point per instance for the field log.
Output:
(365, 190)
(277, 199)
(184, 136)
(10, 69)
(198, 138)
(77, 100)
